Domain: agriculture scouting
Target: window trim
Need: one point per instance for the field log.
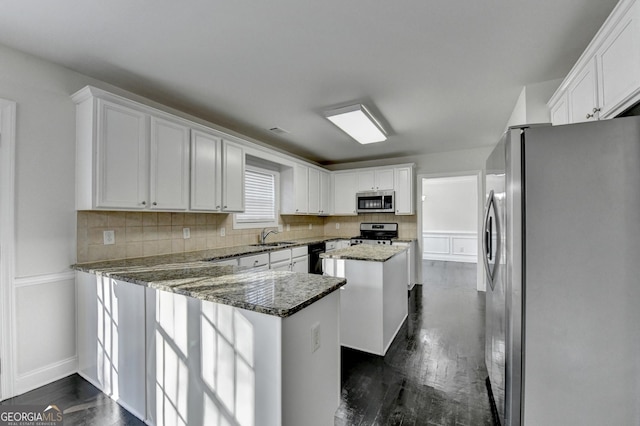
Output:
(262, 224)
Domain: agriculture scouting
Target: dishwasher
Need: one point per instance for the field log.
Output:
(315, 262)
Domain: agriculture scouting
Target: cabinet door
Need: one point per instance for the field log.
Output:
(301, 188)
(121, 164)
(384, 179)
(366, 180)
(344, 193)
(560, 112)
(205, 172)
(169, 172)
(232, 177)
(583, 96)
(618, 61)
(314, 191)
(325, 188)
(403, 182)
(300, 264)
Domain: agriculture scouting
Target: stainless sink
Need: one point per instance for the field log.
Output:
(274, 244)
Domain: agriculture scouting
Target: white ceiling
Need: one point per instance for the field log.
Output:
(443, 75)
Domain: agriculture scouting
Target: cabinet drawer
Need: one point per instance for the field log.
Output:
(299, 251)
(255, 261)
(280, 255)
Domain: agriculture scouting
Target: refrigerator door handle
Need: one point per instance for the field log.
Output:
(487, 248)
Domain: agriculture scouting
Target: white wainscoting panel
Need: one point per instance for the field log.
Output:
(45, 324)
(450, 246)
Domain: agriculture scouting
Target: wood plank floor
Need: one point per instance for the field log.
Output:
(434, 372)
(80, 401)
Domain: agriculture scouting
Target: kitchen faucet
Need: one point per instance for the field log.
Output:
(263, 235)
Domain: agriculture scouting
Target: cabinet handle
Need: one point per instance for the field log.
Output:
(217, 207)
(596, 110)
(224, 207)
(589, 116)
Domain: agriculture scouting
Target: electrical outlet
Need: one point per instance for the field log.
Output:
(279, 228)
(288, 227)
(223, 231)
(315, 337)
(337, 225)
(310, 226)
(109, 237)
(186, 233)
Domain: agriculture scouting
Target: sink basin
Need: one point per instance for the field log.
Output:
(274, 244)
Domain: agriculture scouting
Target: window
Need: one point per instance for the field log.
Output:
(260, 199)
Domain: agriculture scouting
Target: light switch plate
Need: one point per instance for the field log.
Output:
(223, 231)
(109, 237)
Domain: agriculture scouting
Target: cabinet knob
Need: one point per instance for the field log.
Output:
(155, 204)
(224, 207)
(217, 207)
(144, 203)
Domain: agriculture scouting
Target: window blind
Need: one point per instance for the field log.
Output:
(260, 197)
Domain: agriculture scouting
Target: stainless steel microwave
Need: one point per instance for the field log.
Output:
(375, 202)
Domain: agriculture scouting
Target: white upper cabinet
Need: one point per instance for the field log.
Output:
(375, 180)
(403, 183)
(618, 61)
(120, 175)
(325, 189)
(606, 79)
(133, 157)
(560, 111)
(583, 95)
(169, 168)
(313, 195)
(344, 193)
(233, 161)
(206, 168)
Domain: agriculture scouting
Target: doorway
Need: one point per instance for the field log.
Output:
(450, 213)
(7, 241)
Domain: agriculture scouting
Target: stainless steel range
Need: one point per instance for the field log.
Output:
(376, 233)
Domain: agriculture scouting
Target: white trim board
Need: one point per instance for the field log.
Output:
(7, 245)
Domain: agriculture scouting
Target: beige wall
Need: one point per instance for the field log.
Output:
(149, 234)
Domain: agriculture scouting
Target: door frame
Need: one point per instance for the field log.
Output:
(479, 174)
(7, 244)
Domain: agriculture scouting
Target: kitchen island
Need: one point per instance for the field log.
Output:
(374, 305)
(184, 341)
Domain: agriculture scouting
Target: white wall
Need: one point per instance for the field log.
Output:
(450, 204)
(43, 287)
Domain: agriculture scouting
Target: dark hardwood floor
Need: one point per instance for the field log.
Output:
(433, 374)
(81, 403)
(434, 371)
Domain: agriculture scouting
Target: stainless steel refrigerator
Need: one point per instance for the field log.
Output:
(562, 256)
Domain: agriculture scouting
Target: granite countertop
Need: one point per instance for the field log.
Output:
(367, 252)
(278, 293)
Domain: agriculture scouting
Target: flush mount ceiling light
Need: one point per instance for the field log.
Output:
(357, 122)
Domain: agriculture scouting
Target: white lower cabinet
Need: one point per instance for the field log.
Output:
(300, 259)
(111, 338)
(256, 261)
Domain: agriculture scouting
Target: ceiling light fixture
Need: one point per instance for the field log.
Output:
(357, 122)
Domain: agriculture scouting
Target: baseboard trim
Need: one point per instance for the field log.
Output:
(42, 376)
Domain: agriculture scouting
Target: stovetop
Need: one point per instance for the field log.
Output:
(376, 233)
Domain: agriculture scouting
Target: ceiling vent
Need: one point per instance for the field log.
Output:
(278, 131)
